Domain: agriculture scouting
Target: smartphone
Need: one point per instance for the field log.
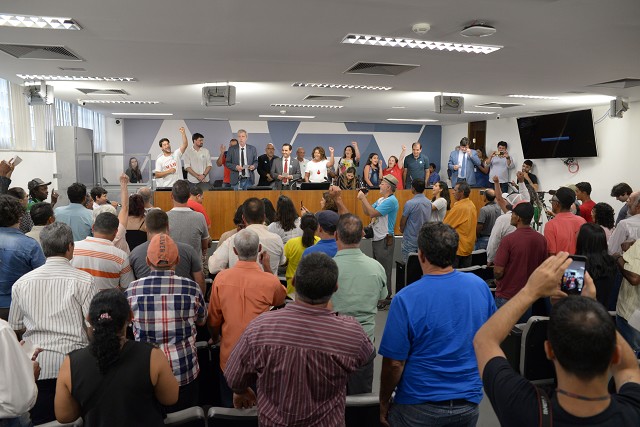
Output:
(573, 277)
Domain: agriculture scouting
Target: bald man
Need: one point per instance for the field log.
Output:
(265, 162)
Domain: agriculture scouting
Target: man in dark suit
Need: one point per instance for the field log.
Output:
(242, 160)
(462, 162)
(285, 170)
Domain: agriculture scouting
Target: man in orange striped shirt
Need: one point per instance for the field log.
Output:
(99, 257)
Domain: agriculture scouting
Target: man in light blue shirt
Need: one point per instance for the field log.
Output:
(75, 215)
(500, 163)
(416, 212)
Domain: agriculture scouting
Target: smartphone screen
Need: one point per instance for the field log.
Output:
(573, 277)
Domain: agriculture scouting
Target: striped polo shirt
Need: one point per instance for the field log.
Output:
(107, 264)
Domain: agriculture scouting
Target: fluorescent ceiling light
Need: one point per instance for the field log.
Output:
(142, 114)
(532, 97)
(412, 120)
(341, 86)
(399, 107)
(307, 106)
(45, 22)
(75, 78)
(99, 101)
(372, 40)
(280, 116)
(479, 112)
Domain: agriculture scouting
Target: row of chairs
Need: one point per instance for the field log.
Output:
(361, 411)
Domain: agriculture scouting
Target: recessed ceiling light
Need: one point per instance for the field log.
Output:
(44, 22)
(142, 114)
(533, 97)
(276, 116)
(75, 78)
(99, 101)
(341, 86)
(412, 120)
(479, 112)
(307, 106)
(373, 40)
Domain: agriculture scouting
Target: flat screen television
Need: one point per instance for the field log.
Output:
(560, 135)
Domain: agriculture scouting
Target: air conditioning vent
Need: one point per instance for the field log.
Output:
(325, 98)
(87, 91)
(499, 105)
(619, 84)
(24, 51)
(379, 68)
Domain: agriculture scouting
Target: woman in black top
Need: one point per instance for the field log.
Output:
(601, 266)
(133, 172)
(114, 381)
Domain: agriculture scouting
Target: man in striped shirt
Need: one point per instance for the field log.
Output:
(301, 355)
(166, 309)
(50, 304)
(99, 257)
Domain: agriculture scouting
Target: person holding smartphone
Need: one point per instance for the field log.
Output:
(500, 163)
(519, 254)
(586, 352)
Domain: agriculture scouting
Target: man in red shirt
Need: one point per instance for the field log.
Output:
(222, 159)
(196, 196)
(519, 254)
(583, 193)
(562, 231)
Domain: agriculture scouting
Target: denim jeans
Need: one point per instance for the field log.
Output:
(481, 243)
(407, 248)
(242, 184)
(630, 334)
(428, 414)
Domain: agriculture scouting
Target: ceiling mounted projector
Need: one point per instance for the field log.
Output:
(213, 96)
(478, 30)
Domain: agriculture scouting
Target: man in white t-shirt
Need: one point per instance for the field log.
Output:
(197, 162)
(302, 162)
(168, 167)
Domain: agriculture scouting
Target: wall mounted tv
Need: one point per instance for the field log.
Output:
(560, 135)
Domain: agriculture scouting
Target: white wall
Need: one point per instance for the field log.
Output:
(35, 164)
(617, 159)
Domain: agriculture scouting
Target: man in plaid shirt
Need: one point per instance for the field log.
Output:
(166, 309)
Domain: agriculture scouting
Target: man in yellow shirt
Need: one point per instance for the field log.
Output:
(463, 217)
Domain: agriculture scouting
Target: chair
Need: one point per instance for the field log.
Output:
(534, 364)
(231, 417)
(217, 183)
(362, 410)
(412, 270)
(190, 417)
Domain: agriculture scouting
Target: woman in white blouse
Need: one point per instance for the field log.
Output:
(316, 170)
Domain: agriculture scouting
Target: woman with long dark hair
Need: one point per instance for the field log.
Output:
(269, 211)
(592, 243)
(371, 173)
(116, 382)
(287, 223)
(295, 247)
(350, 158)
(136, 228)
(602, 214)
(316, 169)
(395, 167)
(133, 172)
(441, 201)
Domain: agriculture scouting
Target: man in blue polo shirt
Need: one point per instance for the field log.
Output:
(429, 358)
(415, 166)
(327, 224)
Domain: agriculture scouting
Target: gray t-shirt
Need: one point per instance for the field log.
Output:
(188, 227)
(487, 216)
(190, 261)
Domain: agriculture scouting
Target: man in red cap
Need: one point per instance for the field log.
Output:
(166, 309)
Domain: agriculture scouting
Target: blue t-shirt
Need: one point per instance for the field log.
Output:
(327, 246)
(431, 325)
(387, 207)
(433, 178)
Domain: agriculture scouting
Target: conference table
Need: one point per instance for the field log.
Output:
(222, 205)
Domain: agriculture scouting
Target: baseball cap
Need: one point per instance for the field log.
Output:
(36, 182)
(162, 251)
(328, 220)
(391, 180)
